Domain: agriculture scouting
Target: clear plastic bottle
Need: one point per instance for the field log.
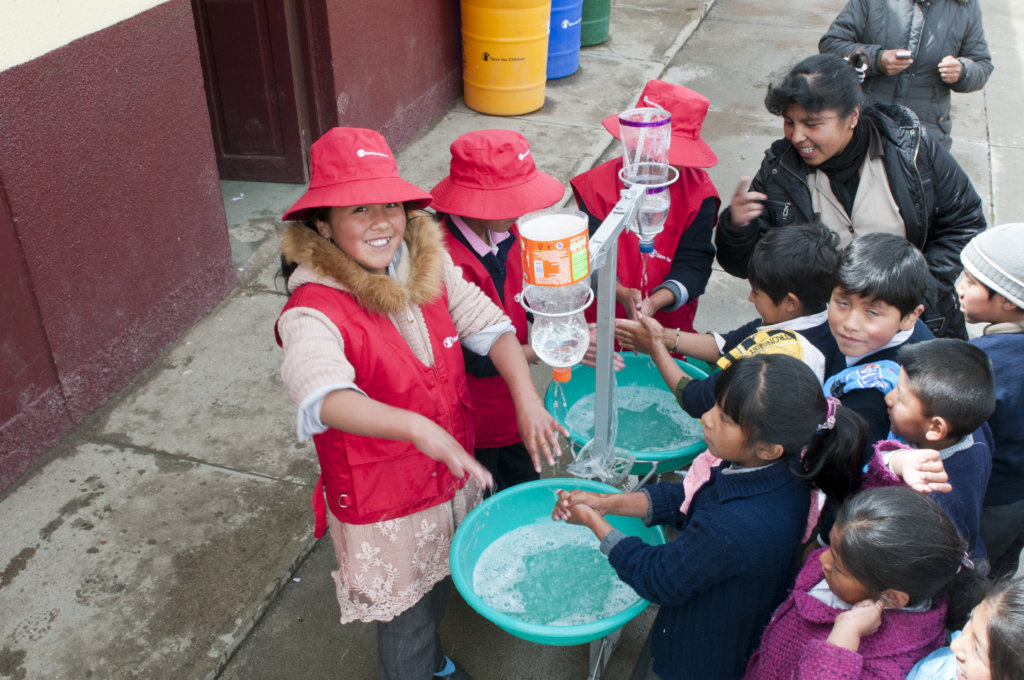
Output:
(650, 218)
(560, 335)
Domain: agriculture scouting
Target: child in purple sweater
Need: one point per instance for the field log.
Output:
(876, 601)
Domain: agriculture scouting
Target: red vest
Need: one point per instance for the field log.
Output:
(599, 190)
(492, 410)
(368, 479)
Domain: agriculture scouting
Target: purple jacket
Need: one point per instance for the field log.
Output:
(794, 645)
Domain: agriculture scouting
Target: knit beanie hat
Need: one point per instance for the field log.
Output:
(995, 257)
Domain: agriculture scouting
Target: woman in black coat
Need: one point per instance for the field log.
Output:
(857, 168)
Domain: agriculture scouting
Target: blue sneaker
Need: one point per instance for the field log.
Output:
(452, 671)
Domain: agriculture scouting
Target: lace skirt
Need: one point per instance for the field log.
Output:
(384, 568)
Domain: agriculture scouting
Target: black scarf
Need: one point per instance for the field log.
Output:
(843, 169)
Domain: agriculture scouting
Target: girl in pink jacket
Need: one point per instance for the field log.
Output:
(876, 601)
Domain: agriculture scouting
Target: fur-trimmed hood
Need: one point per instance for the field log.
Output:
(418, 271)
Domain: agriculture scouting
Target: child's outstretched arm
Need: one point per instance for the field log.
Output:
(641, 337)
(921, 470)
(352, 411)
(646, 339)
(537, 427)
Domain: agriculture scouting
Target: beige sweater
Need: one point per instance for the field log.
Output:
(314, 351)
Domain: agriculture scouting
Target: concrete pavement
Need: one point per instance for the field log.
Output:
(169, 536)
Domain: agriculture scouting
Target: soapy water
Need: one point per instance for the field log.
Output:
(649, 419)
(550, 573)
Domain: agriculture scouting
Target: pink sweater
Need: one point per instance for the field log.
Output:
(794, 643)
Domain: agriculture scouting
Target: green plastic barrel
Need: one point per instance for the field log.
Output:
(596, 21)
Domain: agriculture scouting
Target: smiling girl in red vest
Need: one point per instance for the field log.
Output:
(492, 182)
(679, 268)
(372, 337)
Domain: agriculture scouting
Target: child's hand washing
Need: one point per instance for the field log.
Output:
(643, 335)
(590, 358)
(577, 507)
(436, 443)
(539, 431)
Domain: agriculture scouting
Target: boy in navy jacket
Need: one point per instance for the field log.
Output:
(992, 291)
(791, 276)
(945, 393)
(881, 281)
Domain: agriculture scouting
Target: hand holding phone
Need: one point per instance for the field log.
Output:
(895, 61)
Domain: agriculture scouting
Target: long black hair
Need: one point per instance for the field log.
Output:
(897, 538)
(776, 399)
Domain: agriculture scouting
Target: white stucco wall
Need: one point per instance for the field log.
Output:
(31, 28)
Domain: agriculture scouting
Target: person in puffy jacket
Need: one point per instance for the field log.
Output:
(918, 52)
(858, 168)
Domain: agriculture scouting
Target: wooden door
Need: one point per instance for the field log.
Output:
(251, 90)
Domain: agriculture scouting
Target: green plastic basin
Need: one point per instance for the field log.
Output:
(522, 505)
(640, 372)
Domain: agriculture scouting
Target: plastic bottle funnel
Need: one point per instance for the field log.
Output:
(556, 268)
(646, 134)
(653, 209)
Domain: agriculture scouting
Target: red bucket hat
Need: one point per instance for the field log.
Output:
(353, 166)
(493, 177)
(688, 109)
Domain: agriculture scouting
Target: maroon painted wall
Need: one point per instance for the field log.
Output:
(397, 66)
(113, 235)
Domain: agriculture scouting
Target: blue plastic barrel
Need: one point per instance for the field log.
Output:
(564, 40)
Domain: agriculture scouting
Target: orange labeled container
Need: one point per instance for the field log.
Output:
(555, 247)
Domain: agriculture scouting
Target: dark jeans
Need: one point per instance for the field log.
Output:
(408, 647)
(644, 667)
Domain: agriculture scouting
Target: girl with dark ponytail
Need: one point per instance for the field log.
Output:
(717, 582)
(895, 576)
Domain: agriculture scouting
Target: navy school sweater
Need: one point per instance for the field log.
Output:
(870, 403)
(720, 579)
(1006, 485)
(968, 464)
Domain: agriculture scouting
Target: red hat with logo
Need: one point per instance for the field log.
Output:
(353, 166)
(688, 109)
(493, 177)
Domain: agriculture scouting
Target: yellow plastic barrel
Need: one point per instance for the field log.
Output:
(504, 55)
